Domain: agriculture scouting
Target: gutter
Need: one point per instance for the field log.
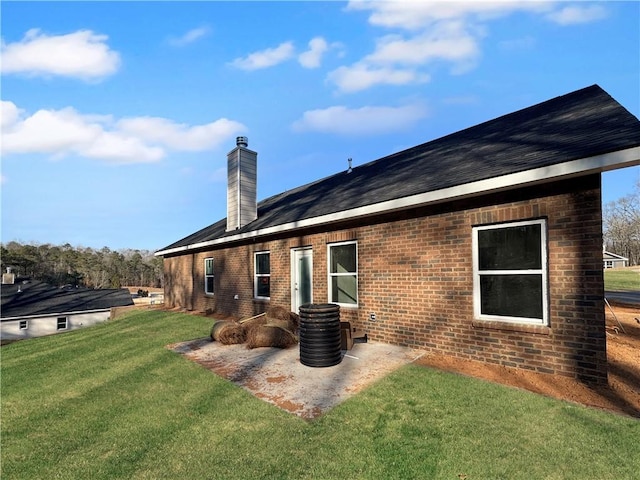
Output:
(576, 168)
(60, 314)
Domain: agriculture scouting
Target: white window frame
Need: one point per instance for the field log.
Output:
(330, 275)
(257, 276)
(213, 275)
(477, 301)
(23, 324)
(66, 323)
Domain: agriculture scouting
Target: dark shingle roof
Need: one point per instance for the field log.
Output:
(582, 124)
(39, 298)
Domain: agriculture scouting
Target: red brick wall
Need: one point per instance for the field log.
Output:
(415, 273)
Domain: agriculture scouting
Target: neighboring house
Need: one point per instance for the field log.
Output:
(611, 260)
(33, 308)
(484, 244)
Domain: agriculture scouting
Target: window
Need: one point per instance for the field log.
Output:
(510, 272)
(343, 273)
(62, 323)
(209, 278)
(262, 279)
(24, 324)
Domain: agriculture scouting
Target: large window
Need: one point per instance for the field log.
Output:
(343, 273)
(510, 272)
(209, 278)
(262, 278)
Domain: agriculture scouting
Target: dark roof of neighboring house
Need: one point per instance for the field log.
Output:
(32, 298)
(581, 124)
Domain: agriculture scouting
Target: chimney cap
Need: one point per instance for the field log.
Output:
(242, 141)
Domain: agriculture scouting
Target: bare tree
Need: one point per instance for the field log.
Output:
(621, 226)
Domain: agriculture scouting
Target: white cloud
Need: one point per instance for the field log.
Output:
(189, 37)
(64, 132)
(361, 76)
(418, 14)
(446, 41)
(9, 112)
(443, 32)
(180, 136)
(361, 121)
(312, 57)
(574, 14)
(265, 58)
(82, 54)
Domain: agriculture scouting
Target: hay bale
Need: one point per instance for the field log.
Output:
(270, 336)
(294, 318)
(286, 324)
(279, 313)
(216, 327)
(282, 317)
(253, 323)
(232, 334)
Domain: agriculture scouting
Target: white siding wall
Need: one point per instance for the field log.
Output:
(40, 326)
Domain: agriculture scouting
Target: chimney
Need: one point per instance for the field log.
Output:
(8, 278)
(242, 166)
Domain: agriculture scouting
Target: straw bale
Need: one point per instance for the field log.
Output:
(216, 327)
(286, 324)
(276, 315)
(277, 312)
(253, 323)
(270, 336)
(232, 334)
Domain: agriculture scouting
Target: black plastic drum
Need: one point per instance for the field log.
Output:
(320, 335)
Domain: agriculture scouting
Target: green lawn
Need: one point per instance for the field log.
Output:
(622, 279)
(112, 402)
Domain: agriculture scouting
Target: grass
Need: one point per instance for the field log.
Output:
(112, 402)
(622, 279)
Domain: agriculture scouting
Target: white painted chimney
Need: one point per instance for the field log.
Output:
(242, 167)
(8, 278)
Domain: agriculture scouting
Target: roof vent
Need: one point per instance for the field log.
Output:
(350, 169)
(242, 142)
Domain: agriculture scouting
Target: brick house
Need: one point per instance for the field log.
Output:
(484, 244)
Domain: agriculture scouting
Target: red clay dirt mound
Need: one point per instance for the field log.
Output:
(622, 395)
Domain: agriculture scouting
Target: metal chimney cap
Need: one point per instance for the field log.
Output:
(242, 141)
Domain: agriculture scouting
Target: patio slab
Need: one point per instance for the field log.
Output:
(277, 376)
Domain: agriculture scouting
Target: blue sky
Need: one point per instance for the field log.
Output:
(117, 116)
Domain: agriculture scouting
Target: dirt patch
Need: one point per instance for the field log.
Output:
(622, 395)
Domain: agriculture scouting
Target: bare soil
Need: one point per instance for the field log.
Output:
(622, 395)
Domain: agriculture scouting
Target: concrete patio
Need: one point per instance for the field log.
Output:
(277, 376)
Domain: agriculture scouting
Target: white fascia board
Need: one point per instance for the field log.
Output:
(584, 166)
(48, 315)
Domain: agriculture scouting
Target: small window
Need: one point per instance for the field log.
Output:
(343, 273)
(62, 323)
(262, 280)
(24, 324)
(510, 272)
(209, 283)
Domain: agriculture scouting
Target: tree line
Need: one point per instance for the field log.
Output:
(621, 226)
(64, 265)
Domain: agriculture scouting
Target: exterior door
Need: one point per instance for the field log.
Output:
(301, 278)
